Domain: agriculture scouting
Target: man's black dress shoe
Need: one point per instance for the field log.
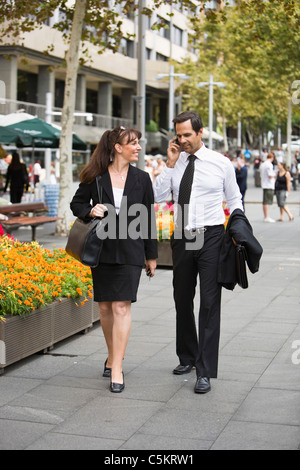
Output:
(179, 370)
(107, 370)
(117, 388)
(202, 385)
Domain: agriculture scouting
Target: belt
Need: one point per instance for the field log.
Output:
(197, 231)
(192, 232)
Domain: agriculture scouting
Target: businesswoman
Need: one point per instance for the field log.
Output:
(127, 199)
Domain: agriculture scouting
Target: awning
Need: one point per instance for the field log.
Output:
(89, 134)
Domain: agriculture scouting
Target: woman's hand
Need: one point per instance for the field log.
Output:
(150, 266)
(98, 210)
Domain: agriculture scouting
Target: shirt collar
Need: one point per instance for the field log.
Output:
(200, 154)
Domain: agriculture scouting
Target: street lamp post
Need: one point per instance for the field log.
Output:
(141, 83)
(171, 76)
(211, 84)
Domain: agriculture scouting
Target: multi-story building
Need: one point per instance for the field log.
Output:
(106, 84)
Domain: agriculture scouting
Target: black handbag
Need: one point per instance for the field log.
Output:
(241, 271)
(85, 241)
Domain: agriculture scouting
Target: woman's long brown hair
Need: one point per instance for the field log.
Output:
(104, 153)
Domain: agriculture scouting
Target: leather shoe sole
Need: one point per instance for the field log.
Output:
(202, 385)
(180, 370)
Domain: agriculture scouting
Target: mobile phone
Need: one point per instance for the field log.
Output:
(178, 143)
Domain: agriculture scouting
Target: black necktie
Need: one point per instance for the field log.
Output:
(186, 186)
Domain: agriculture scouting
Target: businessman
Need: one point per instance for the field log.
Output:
(198, 178)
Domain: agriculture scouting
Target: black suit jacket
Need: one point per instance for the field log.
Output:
(240, 229)
(133, 236)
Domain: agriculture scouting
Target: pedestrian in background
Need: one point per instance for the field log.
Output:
(4, 162)
(247, 157)
(268, 176)
(17, 178)
(282, 190)
(37, 171)
(241, 173)
(158, 169)
(294, 176)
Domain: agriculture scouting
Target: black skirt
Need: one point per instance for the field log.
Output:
(116, 282)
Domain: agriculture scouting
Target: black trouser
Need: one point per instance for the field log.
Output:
(16, 193)
(200, 350)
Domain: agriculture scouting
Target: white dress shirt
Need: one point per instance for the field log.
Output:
(267, 175)
(214, 181)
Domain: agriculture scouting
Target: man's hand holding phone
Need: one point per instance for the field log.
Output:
(173, 152)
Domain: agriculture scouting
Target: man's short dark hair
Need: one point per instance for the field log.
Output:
(189, 115)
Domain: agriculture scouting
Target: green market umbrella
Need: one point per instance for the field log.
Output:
(12, 136)
(43, 134)
(78, 144)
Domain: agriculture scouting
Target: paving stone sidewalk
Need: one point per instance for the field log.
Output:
(61, 401)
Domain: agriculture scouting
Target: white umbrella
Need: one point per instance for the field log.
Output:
(13, 118)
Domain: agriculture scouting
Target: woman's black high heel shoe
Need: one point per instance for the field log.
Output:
(107, 370)
(115, 387)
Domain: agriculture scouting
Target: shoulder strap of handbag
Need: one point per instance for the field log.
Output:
(99, 188)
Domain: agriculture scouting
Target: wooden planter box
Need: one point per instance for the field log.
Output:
(21, 337)
(69, 319)
(164, 254)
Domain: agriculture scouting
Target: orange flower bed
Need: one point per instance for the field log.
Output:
(164, 214)
(32, 276)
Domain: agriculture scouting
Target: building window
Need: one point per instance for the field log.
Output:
(116, 106)
(148, 21)
(164, 32)
(148, 53)
(59, 93)
(178, 34)
(91, 101)
(161, 57)
(127, 47)
(27, 87)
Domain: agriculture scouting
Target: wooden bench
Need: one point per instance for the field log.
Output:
(19, 216)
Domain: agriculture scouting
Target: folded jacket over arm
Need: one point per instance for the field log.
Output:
(238, 228)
